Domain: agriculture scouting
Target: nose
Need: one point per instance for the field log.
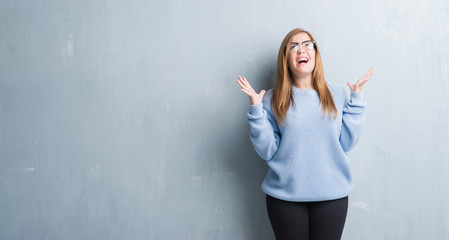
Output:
(301, 49)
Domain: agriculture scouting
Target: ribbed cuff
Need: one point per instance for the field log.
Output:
(256, 109)
(357, 97)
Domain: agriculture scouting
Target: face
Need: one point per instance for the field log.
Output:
(295, 57)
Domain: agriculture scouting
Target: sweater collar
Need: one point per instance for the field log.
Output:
(304, 91)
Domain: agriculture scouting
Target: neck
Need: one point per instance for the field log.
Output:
(303, 82)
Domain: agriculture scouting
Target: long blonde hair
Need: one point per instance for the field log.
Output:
(283, 95)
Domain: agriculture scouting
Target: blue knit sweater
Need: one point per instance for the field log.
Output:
(307, 156)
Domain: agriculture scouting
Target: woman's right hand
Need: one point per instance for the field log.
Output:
(254, 98)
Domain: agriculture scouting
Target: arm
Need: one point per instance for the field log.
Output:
(353, 109)
(264, 132)
(352, 120)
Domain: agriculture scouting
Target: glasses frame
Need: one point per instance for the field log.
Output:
(301, 43)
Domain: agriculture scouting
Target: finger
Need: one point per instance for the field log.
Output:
(240, 84)
(245, 82)
(360, 84)
(363, 80)
(246, 92)
(250, 90)
(371, 70)
(248, 85)
(367, 76)
(352, 86)
(241, 79)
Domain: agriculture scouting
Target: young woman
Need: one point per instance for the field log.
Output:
(303, 129)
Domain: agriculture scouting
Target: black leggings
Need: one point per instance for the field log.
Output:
(322, 220)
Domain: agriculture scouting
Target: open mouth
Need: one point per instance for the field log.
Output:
(303, 61)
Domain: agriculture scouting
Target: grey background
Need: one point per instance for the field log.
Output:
(122, 119)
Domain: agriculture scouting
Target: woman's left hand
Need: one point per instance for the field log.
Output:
(357, 87)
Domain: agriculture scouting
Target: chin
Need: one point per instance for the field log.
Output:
(304, 72)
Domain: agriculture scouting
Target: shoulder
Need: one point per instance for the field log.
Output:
(337, 90)
(268, 95)
(334, 87)
(266, 101)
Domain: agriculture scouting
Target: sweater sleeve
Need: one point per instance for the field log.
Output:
(264, 132)
(353, 118)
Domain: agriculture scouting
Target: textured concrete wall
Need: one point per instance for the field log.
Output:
(122, 119)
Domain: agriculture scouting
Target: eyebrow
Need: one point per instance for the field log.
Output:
(302, 41)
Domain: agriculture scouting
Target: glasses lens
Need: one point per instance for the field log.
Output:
(294, 46)
(308, 45)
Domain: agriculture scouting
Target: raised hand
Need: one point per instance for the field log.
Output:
(254, 98)
(357, 87)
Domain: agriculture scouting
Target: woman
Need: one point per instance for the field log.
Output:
(303, 129)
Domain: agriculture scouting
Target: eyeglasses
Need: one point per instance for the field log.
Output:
(307, 44)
